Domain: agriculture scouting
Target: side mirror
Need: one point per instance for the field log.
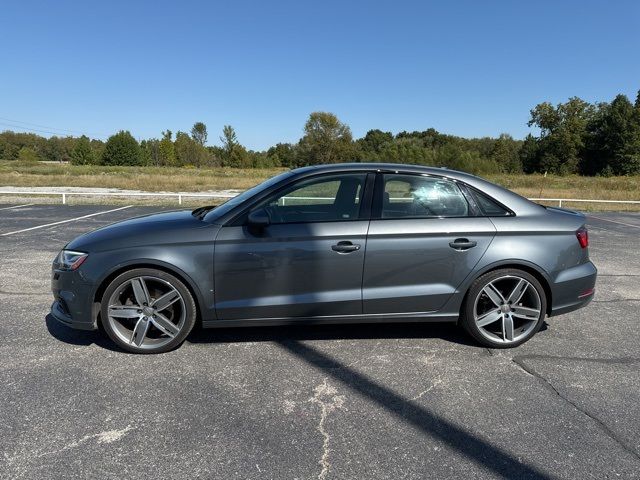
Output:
(258, 218)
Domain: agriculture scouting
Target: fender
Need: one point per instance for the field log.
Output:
(204, 310)
(455, 301)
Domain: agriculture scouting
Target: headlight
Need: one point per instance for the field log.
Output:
(70, 260)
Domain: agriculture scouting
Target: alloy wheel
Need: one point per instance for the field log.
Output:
(146, 312)
(507, 309)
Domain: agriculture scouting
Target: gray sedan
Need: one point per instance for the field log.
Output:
(350, 243)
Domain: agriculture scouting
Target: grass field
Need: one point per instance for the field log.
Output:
(155, 179)
(16, 174)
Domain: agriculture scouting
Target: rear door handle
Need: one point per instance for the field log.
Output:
(462, 244)
(345, 247)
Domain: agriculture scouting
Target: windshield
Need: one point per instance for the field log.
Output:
(227, 206)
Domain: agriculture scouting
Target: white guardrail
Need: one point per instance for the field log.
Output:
(180, 196)
(582, 200)
(64, 195)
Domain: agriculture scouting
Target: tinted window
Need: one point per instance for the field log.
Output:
(489, 207)
(325, 199)
(417, 196)
(229, 205)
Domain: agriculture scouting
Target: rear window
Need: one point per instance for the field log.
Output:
(490, 207)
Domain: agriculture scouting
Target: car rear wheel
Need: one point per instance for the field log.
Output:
(504, 308)
(147, 311)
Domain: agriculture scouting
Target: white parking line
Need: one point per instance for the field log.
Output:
(64, 221)
(17, 206)
(613, 221)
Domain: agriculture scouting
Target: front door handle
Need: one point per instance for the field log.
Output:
(462, 244)
(345, 247)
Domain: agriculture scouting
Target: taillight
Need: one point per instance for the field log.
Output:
(583, 237)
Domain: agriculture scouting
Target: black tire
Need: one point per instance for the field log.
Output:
(481, 335)
(162, 278)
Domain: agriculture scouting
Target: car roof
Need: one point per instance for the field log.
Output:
(517, 203)
(375, 166)
(387, 167)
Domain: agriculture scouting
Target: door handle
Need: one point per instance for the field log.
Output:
(462, 244)
(345, 247)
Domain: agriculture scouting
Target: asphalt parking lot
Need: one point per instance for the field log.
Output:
(386, 401)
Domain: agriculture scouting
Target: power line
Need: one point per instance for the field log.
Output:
(42, 128)
(19, 127)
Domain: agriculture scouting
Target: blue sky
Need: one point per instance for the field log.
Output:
(468, 68)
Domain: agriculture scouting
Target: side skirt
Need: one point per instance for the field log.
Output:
(430, 317)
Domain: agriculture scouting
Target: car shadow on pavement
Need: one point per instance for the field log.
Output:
(291, 338)
(79, 337)
(445, 331)
(472, 446)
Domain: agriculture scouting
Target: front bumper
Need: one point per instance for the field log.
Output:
(573, 288)
(73, 300)
(58, 312)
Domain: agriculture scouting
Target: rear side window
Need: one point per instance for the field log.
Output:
(416, 196)
(488, 206)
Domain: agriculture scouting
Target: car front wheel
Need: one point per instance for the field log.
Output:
(147, 311)
(504, 308)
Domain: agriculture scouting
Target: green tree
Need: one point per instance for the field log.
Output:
(189, 151)
(234, 154)
(215, 157)
(54, 150)
(240, 158)
(82, 153)
(373, 142)
(529, 154)
(27, 154)
(121, 149)
(505, 154)
(282, 154)
(614, 142)
(150, 152)
(326, 140)
(12, 142)
(229, 139)
(145, 153)
(562, 134)
(264, 160)
(199, 133)
(98, 147)
(167, 149)
(405, 150)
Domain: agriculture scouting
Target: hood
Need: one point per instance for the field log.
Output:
(167, 228)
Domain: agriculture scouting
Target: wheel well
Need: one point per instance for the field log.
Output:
(532, 271)
(97, 298)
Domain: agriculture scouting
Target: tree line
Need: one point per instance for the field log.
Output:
(575, 137)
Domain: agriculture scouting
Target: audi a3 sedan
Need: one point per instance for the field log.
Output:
(350, 243)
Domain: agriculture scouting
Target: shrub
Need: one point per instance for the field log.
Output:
(27, 155)
(121, 149)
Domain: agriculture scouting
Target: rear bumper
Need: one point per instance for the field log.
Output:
(574, 288)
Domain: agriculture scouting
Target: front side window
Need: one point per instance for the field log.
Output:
(325, 199)
(421, 197)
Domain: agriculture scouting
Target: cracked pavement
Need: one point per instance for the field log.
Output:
(363, 401)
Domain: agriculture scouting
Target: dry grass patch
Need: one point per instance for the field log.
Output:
(152, 179)
(158, 179)
(572, 186)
